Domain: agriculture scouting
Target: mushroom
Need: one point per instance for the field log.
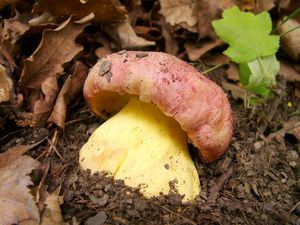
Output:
(158, 102)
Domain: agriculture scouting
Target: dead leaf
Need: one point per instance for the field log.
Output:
(237, 91)
(296, 131)
(288, 72)
(105, 49)
(13, 29)
(6, 85)
(44, 18)
(233, 72)
(286, 7)
(180, 12)
(171, 45)
(194, 52)
(41, 69)
(290, 42)
(297, 90)
(216, 59)
(42, 107)
(16, 203)
(72, 86)
(4, 3)
(52, 213)
(125, 36)
(56, 48)
(6, 58)
(104, 11)
(265, 5)
(246, 5)
(208, 11)
(148, 32)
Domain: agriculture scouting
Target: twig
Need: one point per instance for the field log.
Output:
(49, 149)
(37, 198)
(77, 120)
(214, 190)
(54, 148)
(282, 131)
(278, 133)
(9, 134)
(272, 110)
(294, 207)
(176, 214)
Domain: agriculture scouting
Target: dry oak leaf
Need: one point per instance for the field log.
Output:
(236, 90)
(72, 86)
(16, 203)
(4, 3)
(194, 52)
(13, 29)
(208, 11)
(52, 213)
(291, 41)
(6, 85)
(288, 72)
(43, 106)
(56, 48)
(125, 35)
(180, 12)
(296, 131)
(171, 45)
(104, 11)
(265, 5)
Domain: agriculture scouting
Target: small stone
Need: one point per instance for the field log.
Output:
(98, 219)
(293, 164)
(103, 200)
(258, 145)
(292, 155)
(122, 52)
(249, 210)
(107, 187)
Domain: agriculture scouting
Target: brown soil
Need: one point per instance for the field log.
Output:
(255, 182)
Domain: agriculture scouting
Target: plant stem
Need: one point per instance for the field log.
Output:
(213, 68)
(292, 15)
(289, 31)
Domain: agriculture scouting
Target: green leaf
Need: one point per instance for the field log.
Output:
(248, 35)
(259, 75)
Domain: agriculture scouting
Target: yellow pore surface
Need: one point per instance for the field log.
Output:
(142, 146)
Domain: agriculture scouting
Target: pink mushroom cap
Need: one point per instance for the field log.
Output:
(198, 104)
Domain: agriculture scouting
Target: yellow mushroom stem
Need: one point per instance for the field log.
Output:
(145, 148)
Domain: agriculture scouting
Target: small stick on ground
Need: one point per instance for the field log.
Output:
(37, 198)
(294, 207)
(54, 148)
(48, 150)
(187, 220)
(214, 190)
(279, 133)
(272, 110)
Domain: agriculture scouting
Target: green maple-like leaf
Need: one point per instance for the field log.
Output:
(248, 35)
(259, 75)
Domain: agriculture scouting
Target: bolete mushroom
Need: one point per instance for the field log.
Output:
(158, 102)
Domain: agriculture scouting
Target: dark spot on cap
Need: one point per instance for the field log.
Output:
(104, 67)
(141, 55)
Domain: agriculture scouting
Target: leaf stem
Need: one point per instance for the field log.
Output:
(289, 31)
(292, 15)
(213, 68)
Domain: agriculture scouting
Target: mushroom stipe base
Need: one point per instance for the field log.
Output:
(145, 148)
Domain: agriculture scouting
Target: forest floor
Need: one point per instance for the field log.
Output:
(257, 181)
